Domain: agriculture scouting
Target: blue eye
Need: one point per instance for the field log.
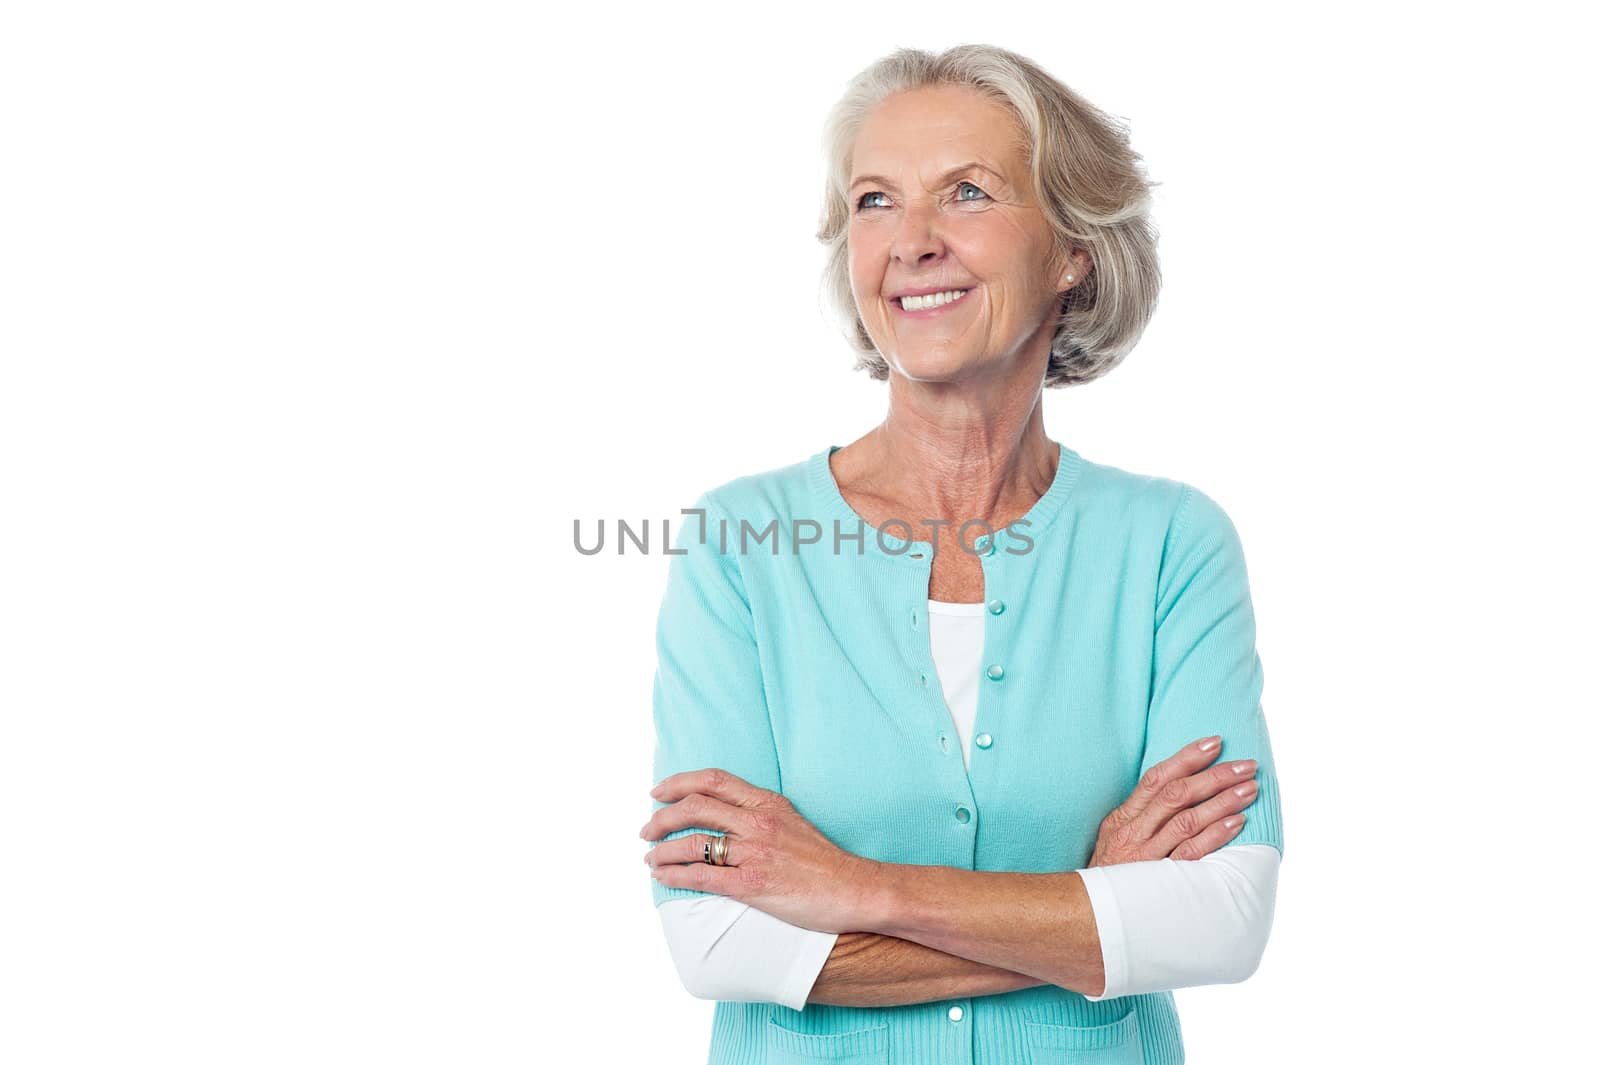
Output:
(862, 205)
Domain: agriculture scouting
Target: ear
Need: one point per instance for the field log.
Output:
(1078, 264)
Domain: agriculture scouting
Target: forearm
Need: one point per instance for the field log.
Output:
(1038, 925)
(869, 969)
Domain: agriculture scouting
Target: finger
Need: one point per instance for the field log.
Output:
(718, 783)
(1191, 759)
(694, 811)
(684, 849)
(1190, 823)
(1210, 839)
(1185, 792)
(699, 877)
(1175, 815)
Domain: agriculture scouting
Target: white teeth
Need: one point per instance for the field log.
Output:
(936, 299)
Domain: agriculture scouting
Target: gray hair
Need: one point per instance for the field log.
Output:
(1087, 180)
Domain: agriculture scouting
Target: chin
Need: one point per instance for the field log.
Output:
(932, 365)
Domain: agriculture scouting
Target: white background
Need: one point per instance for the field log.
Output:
(323, 322)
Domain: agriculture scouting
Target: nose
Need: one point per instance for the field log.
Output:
(918, 239)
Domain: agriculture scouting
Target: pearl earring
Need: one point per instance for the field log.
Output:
(1069, 277)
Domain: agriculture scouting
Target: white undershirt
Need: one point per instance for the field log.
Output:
(1163, 924)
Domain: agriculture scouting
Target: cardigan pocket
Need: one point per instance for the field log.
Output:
(865, 1046)
(1116, 1043)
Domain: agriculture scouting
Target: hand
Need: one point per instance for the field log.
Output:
(1161, 819)
(777, 860)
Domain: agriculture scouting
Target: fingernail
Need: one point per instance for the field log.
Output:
(1233, 822)
(1211, 744)
(655, 792)
(1245, 789)
(1245, 767)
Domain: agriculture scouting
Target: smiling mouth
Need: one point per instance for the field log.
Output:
(932, 301)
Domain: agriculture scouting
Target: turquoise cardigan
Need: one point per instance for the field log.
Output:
(1119, 629)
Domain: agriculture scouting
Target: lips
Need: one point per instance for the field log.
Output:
(929, 290)
(928, 312)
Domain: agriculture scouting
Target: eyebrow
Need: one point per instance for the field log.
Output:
(964, 168)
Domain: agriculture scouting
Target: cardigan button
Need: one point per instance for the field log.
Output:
(984, 545)
(963, 814)
(996, 671)
(996, 607)
(984, 740)
(956, 1013)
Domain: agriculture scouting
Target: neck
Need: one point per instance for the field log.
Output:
(947, 453)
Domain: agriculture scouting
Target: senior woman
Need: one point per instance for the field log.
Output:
(939, 713)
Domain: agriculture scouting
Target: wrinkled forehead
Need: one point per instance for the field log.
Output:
(923, 137)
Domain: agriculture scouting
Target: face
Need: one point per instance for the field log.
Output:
(941, 202)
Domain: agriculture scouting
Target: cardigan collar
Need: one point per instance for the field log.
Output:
(825, 490)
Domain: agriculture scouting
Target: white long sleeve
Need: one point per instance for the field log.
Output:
(1169, 924)
(729, 950)
(1163, 924)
